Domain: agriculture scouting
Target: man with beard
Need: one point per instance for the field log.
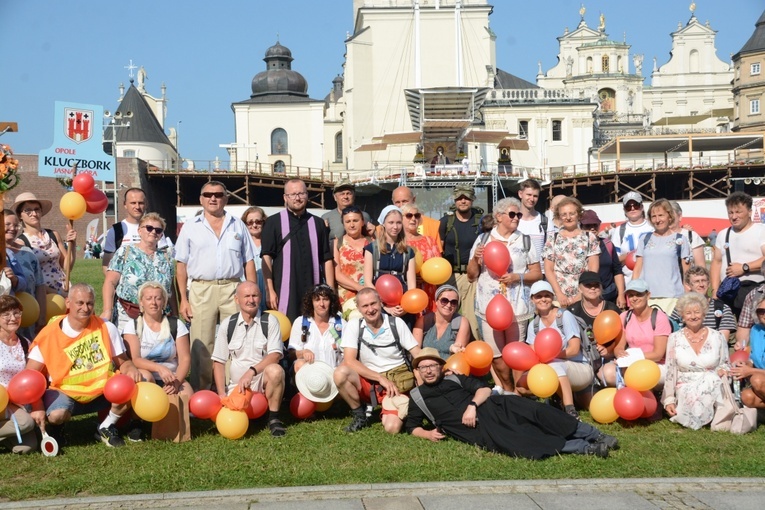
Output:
(345, 196)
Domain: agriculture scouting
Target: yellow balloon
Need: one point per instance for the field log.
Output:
(436, 270)
(602, 406)
(31, 308)
(232, 424)
(323, 406)
(284, 324)
(3, 398)
(418, 261)
(542, 380)
(642, 375)
(150, 401)
(73, 205)
(55, 305)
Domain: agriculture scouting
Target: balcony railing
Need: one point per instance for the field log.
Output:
(235, 167)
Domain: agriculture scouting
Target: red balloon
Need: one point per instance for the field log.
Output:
(479, 355)
(629, 261)
(301, 408)
(390, 289)
(739, 356)
(628, 403)
(205, 404)
(119, 389)
(414, 301)
(96, 201)
(499, 313)
(480, 372)
(83, 184)
(547, 344)
(649, 401)
(26, 387)
(519, 356)
(523, 381)
(496, 256)
(258, 406)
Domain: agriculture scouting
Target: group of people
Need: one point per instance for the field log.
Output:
(224, 272)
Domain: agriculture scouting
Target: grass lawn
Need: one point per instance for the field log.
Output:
(318, 452)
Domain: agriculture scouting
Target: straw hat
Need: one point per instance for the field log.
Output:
(314, 381)
(427, 353)
(28, 196)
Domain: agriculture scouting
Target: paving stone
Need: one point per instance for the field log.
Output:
(738, 500)
(392, 503)
(482, 501)
(321, 504)
(614, 500)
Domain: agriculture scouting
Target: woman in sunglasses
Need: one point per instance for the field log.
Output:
(444, 329)
(349, 254)
(132, 266)
(426, 246)
(254, 217)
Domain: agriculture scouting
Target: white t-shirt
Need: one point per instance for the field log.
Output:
(633, 234)
(744, 247)
(149, 339)
(325, 346)
(532, 227)
(384, 358)
(118, 347)
(130, 236)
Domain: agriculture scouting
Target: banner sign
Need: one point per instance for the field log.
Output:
(77, 138)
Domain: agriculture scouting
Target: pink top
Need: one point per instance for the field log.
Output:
(640, 334)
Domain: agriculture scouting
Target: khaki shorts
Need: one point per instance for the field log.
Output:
(396, 405)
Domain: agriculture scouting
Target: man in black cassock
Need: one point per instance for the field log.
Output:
(464, 409)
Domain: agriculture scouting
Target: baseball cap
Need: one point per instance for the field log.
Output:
(589, 217)
(632, 195)
(589, 277)
(638, 285)
(343, 184)
(541, 286)
(464, 190)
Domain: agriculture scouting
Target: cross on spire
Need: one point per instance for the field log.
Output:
(130, 68)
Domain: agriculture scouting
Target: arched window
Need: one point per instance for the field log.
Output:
(279, 141)
(339, 147)
(693, 61)
(280, 167)
(604, 63)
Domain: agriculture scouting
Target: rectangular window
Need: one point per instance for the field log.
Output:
(754, 107)
(523, 129)
(128, 154)
(755, 69)
(557, 131)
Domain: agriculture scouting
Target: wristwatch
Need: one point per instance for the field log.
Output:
(745, 267)
(472, 403)
(254, 369)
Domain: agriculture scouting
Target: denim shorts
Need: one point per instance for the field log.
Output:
(55, 400)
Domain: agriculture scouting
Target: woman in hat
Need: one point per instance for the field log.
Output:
(349, 254)
(426, 246)
(443, 329)
(254, 217)
(315, 335)
(609, 267)
(47, 245)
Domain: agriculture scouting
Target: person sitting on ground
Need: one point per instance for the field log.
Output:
(77, 385)
(254, 351)
(719, 315)
(462, 407)
(443, 329)
(375, 362)
(316, 334)
(754, 368)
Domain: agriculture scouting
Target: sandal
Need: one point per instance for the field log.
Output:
(277, 428)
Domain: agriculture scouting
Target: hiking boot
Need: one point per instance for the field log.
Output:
(277, 428)
(110, 437)
(571, 411)
(135, 431)
(610, 441)
(359, 422)
(597, 449)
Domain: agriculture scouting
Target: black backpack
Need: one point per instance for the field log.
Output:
(396, 342)
(51, 234)
(589, 348)
(264, 321)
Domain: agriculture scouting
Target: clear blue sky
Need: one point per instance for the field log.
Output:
(208, 52)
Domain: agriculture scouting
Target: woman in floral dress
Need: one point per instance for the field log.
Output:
(349, 254)
(426, 246)
(569, 252)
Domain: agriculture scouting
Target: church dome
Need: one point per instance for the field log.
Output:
(279, 78)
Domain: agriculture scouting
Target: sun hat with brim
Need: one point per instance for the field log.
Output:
(28, 196)
(637, 285)
(541, 286)
(427, 353)
(314, 381)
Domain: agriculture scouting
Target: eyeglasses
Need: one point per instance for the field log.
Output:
(591, 285)
(428, 368)
(760, 311)
(211, 194)
(453, 302)
(632, 206)
(10, 315)
(157, 230)
(416, 215)
(255, 222)
(36, 210)
(295, 196)
(513, 215)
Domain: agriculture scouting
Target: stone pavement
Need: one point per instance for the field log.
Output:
(610, 494)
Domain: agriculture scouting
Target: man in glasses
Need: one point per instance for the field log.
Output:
(214, 250)
(345, 196)
(295, 251)
(626, 237)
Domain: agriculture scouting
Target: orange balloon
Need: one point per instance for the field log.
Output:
(458, 364)
(436, 270)
(607, 326)
(478, 354)
(480, 372)
(414, 301)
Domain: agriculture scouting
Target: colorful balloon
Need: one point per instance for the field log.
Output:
(650, 403)
(119, 389)
(31, 307)
(458, 364)
(607, 326)
(205, 404)
(418, 261)
(548, 344)
(26, 387)
(150, 401)
(436, 270)
(629, 261)
(83, 183)
(55, 306)
(642, 375)
(478, 354)
(499, 313)
(96, 201)
(300, 407)
(3, 398)
(628, 403)
(258, 406)
(736, 357)
(232, 424)
(602, 406)
(519, 356)
(496, 256)
(542, 380)
(323, 406)
(414, 301)
(523, 381)
(73, 206)
(285, 326)
(480, 372)
(390, 289)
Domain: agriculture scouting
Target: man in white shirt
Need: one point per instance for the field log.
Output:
(532, 223)
(625, 237)
(374, 362)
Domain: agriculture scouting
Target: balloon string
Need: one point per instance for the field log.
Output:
(16, 426)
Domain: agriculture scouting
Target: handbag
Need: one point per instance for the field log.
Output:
(176, 425)
(729, 416)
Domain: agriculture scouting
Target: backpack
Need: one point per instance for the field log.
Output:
(450, 226)
(396, 342)
(172, 322)
(543, 227)
(336, 331)
(654, 313)
(416, 397)
(376, 263)
(429, 320)
(264, 321)
(678, 248)
(589, 348)
(51, 234)
(119, 234)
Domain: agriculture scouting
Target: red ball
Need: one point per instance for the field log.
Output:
(499, 313)
(519, 356)
(496, 256)
(26, 387)
(739, 357)
(205, 404)
(301, 408)
(258, 406)
(119, 389)
(547, 344)
(390, 289)
(480, 372)
(628, 403)
(96, 201)
(629, 261)
(650, 403)
(83, 183)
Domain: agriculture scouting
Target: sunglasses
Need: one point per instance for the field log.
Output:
(760, 311)
(444, 301)
(590, 226)
(211, 194)
(632, 206)
(416, 215)
(151, 229)
(513, 215)
(350, 209)
(255, 222)
(593, 285)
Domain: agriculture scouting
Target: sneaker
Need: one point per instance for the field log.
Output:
(571, 411)
(597, 449)
(610, 441)
(277, 428)
(135, 432)
(359, 422)
(110, 437)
